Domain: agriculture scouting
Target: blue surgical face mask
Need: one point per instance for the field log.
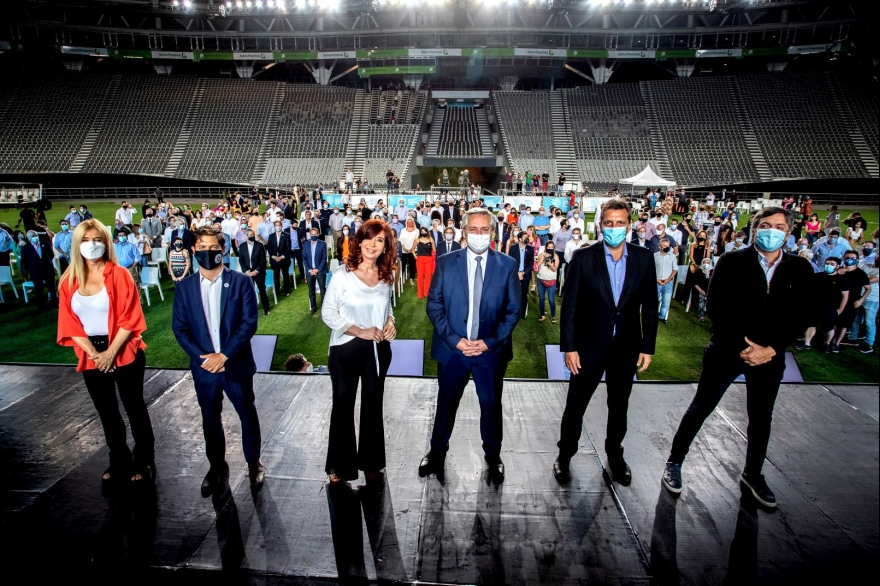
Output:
(123, 237)
(35, 239)
(830, 269)
(832, 240)
(65, 227)
(614, 236)
(770, 239)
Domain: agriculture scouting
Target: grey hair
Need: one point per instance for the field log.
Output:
(772, 211)
(493, 221)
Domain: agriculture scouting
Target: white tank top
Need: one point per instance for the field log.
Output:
(93, 311)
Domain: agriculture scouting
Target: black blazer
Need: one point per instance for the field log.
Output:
(256, 260)
(775, 312)
(589, 316)
(276, 247)
(529, 262)
(442, 248)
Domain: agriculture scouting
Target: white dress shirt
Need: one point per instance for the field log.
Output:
(472, 271)
(211, 306)
(665, 264)
(350, 302)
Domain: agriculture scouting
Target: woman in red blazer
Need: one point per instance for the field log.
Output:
(100, 316)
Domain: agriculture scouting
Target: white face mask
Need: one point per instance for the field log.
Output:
(91, 250)
(478, 242)
(449, 237)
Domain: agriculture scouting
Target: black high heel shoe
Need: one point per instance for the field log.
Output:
(147, 473)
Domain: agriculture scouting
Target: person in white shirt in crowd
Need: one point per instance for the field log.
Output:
(739, 242)
(555, 222)
(401, 210)
(577, 240)
(576, 222)
(450, 223)
(123, 217)
(229, 226)
(336, 222)
(348, 220)
(667, 272)
(349, 179)
(710, 201)
(358, 311)
(675, 235)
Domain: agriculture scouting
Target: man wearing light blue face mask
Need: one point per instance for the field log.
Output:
(834, 245)
(609, 325)
(772, 285)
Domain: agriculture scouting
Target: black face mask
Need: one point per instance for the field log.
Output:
(665, 249)
(252, 239)
(701, 239)
(210, 259)
(178, 245)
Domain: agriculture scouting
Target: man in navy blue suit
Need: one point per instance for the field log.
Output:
(524, 255)
(315, 261)
(215, 317)
(448, 244)
(474, 304)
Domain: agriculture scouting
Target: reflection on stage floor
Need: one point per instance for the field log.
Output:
(458, 528)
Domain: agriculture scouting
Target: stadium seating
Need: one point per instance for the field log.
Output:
(524, 118)
(46, 119)
(460, 135)
(140, 131)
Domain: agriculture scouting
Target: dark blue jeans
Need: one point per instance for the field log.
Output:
(548, 291)
(720, 368)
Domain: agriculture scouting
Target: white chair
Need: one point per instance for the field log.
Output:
(6, 279)
(150, 278)
(292, 272)
(159, 256)
(333, 264)
(680, 277)
(234, 264)
(270, 284)
(591, 230)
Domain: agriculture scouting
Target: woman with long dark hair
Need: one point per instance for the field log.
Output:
(100, 316)
(358, 311)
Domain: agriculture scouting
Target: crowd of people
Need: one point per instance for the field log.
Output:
(820, 282)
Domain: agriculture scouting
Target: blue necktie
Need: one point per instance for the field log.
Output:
(475, 300)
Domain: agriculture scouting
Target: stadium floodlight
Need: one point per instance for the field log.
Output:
(187, 3)
(248, 3)
(258, 3)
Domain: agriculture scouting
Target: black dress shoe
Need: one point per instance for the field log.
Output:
(431, 464)
(213, 479)
(257, 475)
(496, 469)
(620, 471)
(561, 471)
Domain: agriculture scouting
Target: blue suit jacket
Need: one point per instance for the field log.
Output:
(448, 304)
(320, 256)
(238, 324)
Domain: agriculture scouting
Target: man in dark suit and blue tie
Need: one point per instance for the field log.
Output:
(609, 325)
(252, 260)
(524, 255)
(279, 258)
(214, 319)
(448, 244)
(474, 304)
(315, 261)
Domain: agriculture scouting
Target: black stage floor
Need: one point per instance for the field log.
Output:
(822, 463)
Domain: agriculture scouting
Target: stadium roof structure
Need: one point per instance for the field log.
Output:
(647, 178)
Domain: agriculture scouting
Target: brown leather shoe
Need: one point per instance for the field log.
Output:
(258, 475)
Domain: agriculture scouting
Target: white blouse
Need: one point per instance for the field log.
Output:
(93, 311)
(350, 301)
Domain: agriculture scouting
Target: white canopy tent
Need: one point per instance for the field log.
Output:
(647, 178)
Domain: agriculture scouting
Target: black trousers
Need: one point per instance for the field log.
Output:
(720, 368)
(280, 276)
(408, 259)
(102, 387)
(44, 280)
(349, 363)
(452, 378)
(619, 367)
(524, 286)
(260, 281)
(209, 393)
(321, 281)
(296, 257)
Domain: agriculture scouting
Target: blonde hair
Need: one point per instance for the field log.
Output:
(78, 269)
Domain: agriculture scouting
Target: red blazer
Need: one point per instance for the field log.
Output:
(125, 312)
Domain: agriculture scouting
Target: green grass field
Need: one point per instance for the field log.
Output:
(30, 336)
